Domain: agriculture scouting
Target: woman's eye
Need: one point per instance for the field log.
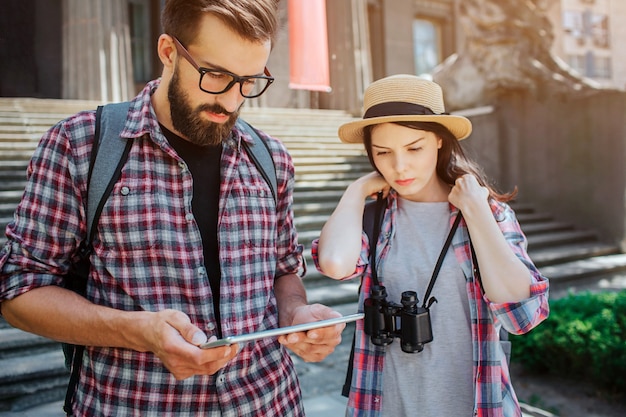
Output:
(381, 153)
(415, 149)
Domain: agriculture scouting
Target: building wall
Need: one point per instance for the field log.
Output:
(618, 35)
(30, 48)
(578, 32)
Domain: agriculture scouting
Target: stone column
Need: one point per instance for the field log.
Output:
(97, 62)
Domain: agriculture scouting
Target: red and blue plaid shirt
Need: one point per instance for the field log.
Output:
(148, 257)
(494, 394)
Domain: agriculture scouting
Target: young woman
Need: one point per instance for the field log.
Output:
(427, 180)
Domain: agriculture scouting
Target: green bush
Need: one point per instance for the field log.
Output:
(584, 337)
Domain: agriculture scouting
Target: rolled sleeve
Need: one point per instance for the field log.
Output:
(47, 225)
(362, 262)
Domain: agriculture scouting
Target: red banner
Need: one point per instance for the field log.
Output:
(308, 45)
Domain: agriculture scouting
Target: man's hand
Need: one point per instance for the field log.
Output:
(175, 341)
(313, 345)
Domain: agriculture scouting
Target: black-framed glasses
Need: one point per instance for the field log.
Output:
(214, 81)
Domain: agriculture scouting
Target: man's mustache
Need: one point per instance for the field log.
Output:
(215, 108)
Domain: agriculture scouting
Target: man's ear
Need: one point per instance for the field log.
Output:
(166, 51)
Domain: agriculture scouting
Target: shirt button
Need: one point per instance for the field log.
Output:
(125, 190)
(189, 217)
(221, 379)
(182, 165)
(201, 271)
(210, 326)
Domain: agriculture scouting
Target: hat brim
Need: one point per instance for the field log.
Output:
(459, 126)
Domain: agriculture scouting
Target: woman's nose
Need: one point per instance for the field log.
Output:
(399, 163)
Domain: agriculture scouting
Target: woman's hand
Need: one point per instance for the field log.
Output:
(370, 185)
(468, 195)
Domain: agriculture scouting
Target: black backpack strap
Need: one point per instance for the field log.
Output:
(108, 156)
(261, 155)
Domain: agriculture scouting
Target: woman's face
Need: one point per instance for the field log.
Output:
(407, 159)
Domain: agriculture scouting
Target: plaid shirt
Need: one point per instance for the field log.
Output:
(148, 256)
(494, 394)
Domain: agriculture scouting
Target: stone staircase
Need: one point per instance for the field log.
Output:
(31, 367)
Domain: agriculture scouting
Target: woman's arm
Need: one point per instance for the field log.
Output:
(504, 276)
(339, 244)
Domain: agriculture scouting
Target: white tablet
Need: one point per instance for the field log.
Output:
(282, 330)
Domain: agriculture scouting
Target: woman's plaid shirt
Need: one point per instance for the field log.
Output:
(494, 394)
(148, 256)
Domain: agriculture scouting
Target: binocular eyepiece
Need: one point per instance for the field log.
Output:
(386, 320)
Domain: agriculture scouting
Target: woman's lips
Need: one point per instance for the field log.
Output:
(404, 183)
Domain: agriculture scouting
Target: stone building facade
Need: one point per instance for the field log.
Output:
(105, 49)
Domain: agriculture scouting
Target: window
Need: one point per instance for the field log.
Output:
(139, 17)
(600, 30)
(577, 62)
(426, 45)
(602, 67)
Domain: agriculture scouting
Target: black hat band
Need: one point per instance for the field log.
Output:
(398, 108)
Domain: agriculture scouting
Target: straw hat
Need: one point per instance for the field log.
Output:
(401, 98)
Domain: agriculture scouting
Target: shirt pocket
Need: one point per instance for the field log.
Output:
(140, 218)
(251, 215)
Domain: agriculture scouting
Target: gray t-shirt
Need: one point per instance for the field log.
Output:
(438, 380)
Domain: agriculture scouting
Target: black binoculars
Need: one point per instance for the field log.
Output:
(385, 320)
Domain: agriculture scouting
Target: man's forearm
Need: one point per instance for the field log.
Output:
(290, 294)
(65, 316)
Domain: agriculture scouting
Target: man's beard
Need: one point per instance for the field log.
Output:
(188, 121)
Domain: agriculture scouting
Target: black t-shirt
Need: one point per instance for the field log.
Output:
(204, 164)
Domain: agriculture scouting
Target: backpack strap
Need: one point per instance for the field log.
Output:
(108, 156)
(261, 155)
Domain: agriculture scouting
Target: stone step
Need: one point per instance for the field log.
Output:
(27, 138)
(15, 155)
(10, 195)
(313, 207)
(317, 161)
(11, 122)
(560, 238)
(32, 376)
(308, 186)
(14, 342)
(554, 255)
(327, 175)
(13, 166)
(545, 227)
(360, 166)
(526, 218)
(13, 172)
(584, 268)
(322, 155)
(12, 180)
